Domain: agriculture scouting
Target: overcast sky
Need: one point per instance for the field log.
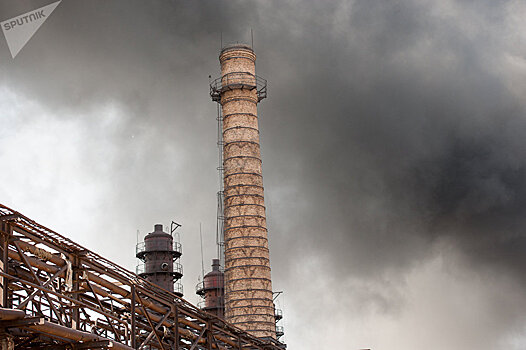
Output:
(393, 143)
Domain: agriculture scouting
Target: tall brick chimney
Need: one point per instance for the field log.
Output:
(248, 286)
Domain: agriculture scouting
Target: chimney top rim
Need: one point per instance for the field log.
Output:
(236, 46)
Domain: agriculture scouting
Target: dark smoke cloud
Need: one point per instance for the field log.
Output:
(407, 135)
(393, 136)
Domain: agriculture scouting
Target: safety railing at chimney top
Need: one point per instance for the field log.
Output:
(235, 80)
(164, 246)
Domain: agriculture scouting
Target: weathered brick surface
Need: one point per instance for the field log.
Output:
(248, 286)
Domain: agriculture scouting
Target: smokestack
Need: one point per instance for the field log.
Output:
(159, 255)
(213, 291)
(248, 286)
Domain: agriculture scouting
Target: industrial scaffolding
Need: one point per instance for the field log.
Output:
(56, 294)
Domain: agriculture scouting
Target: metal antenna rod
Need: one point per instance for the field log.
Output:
(202, 259)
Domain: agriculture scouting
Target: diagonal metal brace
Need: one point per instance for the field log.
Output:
(198, 338)
(154, 330)
(37, 291)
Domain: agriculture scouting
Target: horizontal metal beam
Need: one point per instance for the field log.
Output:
(50, 257)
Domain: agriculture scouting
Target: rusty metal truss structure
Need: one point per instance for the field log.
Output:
(56, 294)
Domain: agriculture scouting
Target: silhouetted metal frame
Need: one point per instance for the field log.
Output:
(69, 292)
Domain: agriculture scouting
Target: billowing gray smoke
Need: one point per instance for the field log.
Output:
(393, 138)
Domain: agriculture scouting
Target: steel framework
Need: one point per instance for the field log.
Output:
(56, 294)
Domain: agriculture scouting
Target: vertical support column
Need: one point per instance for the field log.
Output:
(176, 326)
(5, 233)
(75, 314)
(133, 326)
(248, 287)
(209, 335)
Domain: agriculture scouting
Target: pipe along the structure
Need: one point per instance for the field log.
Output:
(53, 329)
(44, 254)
